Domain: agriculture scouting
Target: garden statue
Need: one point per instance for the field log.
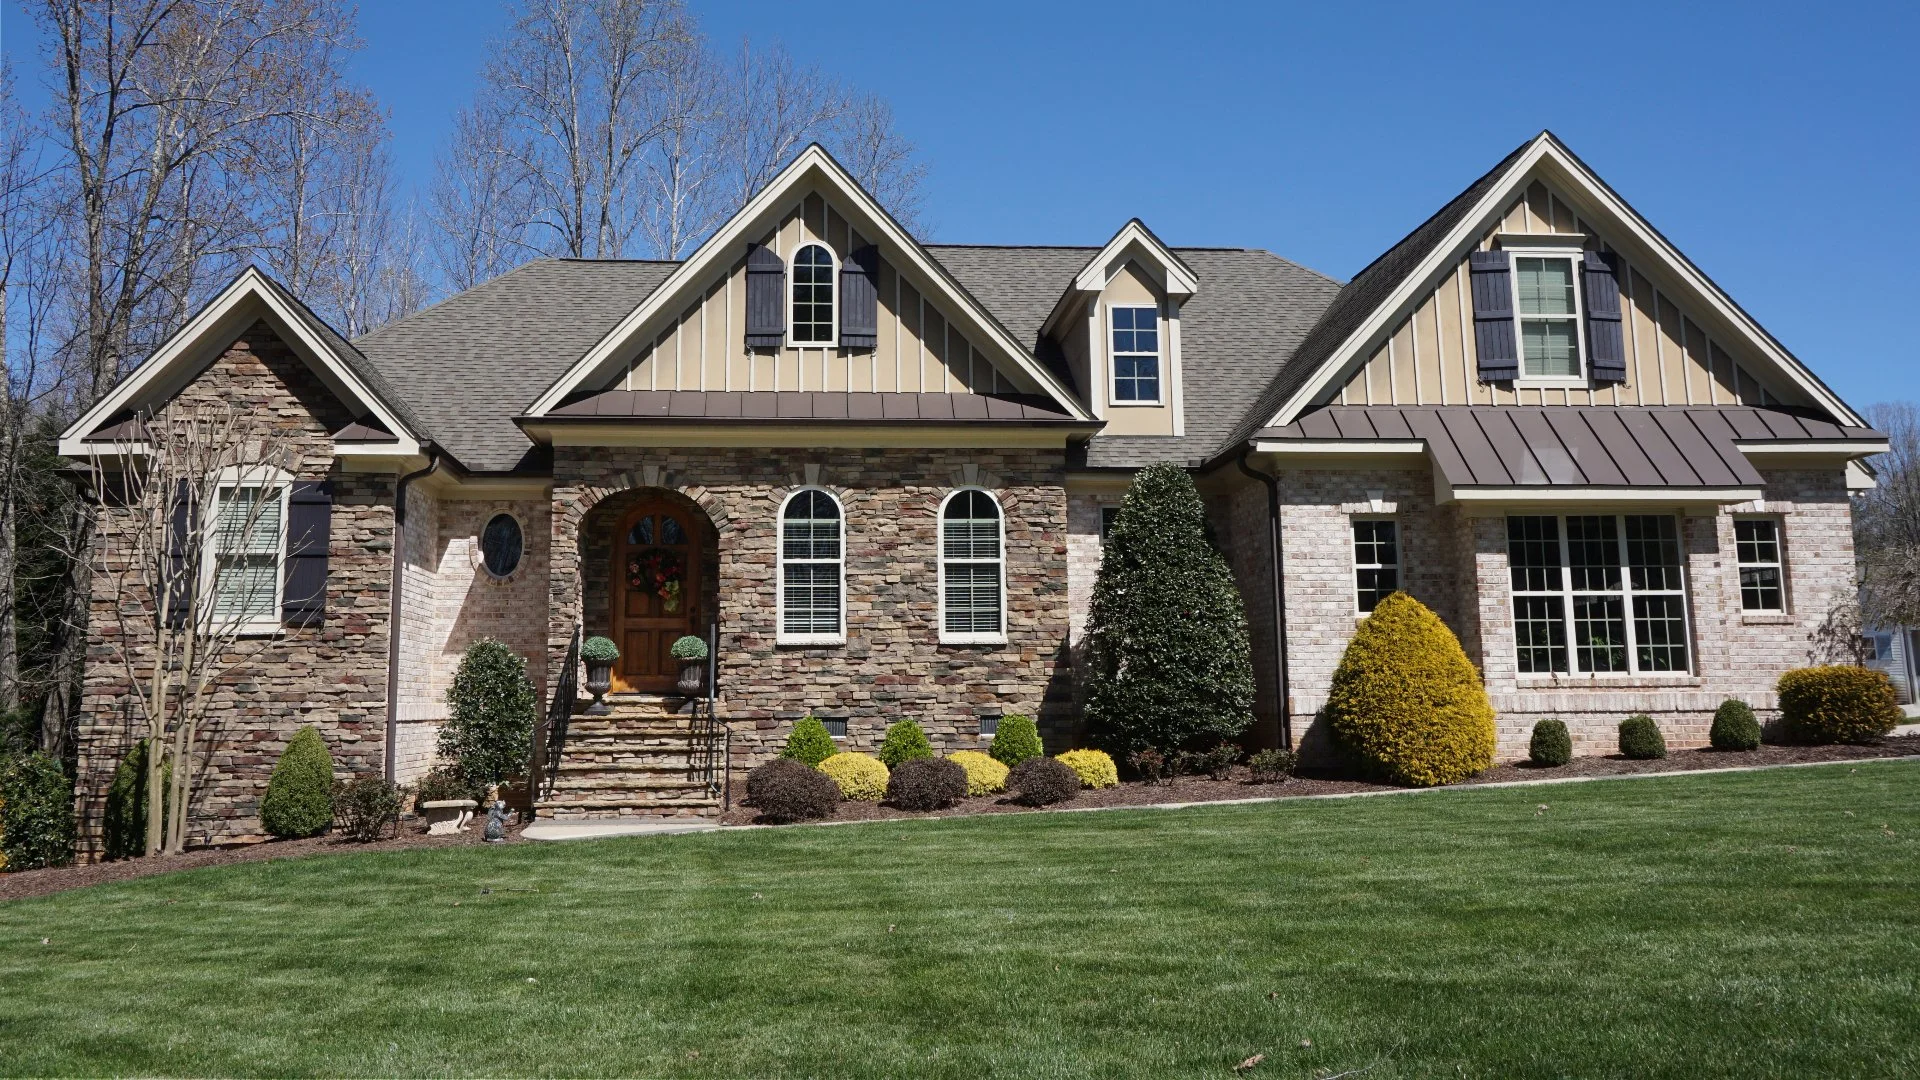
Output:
(497, 820)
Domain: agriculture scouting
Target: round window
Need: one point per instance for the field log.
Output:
(500, 545)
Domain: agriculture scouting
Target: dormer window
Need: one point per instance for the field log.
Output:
(1549, 309)
(812, 318)
(1136, 355)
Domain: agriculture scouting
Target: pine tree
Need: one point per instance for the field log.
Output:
(1168, 661)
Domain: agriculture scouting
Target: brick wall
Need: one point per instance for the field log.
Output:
(892, 665)
(332, 676)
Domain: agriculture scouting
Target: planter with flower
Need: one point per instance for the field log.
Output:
(691, 652)
(598, 654)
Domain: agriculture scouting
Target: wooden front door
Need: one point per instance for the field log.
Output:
(656, 588)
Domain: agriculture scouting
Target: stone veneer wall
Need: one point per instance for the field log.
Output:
(333, 676)
(1457, 565)
(892, 665)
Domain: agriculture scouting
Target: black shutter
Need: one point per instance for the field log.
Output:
(1494, 337)
(1600, 276)
(766, 286)
(178, 586)
(303, 598)
(859, 299)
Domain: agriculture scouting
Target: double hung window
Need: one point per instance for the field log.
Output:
(812, 570)
(1136, 356)
(972, 602)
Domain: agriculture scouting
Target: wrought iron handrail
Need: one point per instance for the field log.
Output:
(560, 712)
(710, 736)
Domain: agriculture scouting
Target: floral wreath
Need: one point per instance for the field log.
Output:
(657, 570)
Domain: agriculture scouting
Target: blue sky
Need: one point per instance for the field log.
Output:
(1774, 143)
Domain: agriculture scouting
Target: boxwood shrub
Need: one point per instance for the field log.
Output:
(368, 806)
(299, 799)
(1094, 768)
(1734, 727)
(788, 790)
(1272, 766)
(809, 742)
(1640, 738)
(1838, 703)
(1017, 739)
(926, 784)
(1042, 781)
(1406, 703)
(1551, 746)
(904, 742)
(985, 776)
(860, 777)
(36, 813)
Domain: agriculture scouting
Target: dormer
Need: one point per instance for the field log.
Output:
(1118, 326)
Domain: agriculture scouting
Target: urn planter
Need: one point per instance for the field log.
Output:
(693, 677)
(599, 681)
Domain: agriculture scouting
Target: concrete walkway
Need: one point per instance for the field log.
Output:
(600, 828)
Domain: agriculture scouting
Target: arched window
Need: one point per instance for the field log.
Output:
(972, 565)
(812, 570)
(812, 321)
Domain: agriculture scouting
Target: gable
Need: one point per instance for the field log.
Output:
(919, 348)
(946, 344)
(1428, 357)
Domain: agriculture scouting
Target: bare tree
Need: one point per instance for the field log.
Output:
(1887, 521)
(682, 199)
(478, 209)
(192, 506)
(880, 158)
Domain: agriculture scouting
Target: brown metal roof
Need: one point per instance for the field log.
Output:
(1577, 445)
(815, 406)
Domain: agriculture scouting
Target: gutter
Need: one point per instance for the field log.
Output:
(393, 609)
(1279, 594)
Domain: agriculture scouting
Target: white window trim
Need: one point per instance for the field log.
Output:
(940, 552)
(230, 478)
(1626, 592)
(781, 636)
(1354, 554)
(1579, 317)
(1779, 563)
(833, 286)
(1162, 363)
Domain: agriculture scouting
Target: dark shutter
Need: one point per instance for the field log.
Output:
(303, 598)
(1600, 276)
(178, 586)
(766, 286)
(1495, 341)
(859, 299)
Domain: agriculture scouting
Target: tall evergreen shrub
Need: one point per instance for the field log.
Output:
(1167, 652)
(491, 708)
(1406, 702)
(299, 799)
(36, 813)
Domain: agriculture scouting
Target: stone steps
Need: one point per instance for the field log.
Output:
(634, 761)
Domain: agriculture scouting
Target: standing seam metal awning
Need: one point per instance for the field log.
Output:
(1593, 446)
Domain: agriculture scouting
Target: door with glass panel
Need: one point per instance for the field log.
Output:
(656, 588)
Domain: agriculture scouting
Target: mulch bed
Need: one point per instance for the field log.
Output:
(413, 834)
(1193, 789)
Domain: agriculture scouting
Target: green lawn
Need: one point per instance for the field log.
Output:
(1728, 925)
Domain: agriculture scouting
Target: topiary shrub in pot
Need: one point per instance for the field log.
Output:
(1167, 655)
(985, 776)
(1734, 727)
(491, 705)
(1015, 740)
(1640, 738)
(926, 784)
(691, 653)
(36, 813)
(598, 654)
(1272, 766)
(1551, 746)
(784, 789)
(299, 799)
(1837, 703)
(1406, 702)
(904, 742)
(1042, 781)
(860, 777)
(1094, 768)
(809, 742)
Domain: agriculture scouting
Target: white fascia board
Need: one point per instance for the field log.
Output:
(1589, 495)
(1340, 446)
(1578, 183)
(192, 338)
(1849, 448)
(701, 264)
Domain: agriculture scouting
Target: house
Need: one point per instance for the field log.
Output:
(877, 472)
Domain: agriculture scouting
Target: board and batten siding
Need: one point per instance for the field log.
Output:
(917, 349)
(1670, 359)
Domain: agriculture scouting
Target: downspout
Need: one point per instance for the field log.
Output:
(393, 608)
(1279, 595)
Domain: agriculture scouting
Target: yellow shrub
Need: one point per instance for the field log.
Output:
(1094, 767)
(1838, 703)
(861, 777)
(985, 776)
(1407, 702)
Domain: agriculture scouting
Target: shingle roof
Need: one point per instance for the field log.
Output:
(363, 369)
(474, 361)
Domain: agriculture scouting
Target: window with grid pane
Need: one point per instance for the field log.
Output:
(1376, 561)
(1549, 317)
(1756, 546)
(813, 283)
(811, 578)
(970, 568)
(1597, 593)
(246, 555)
(1136, 355)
